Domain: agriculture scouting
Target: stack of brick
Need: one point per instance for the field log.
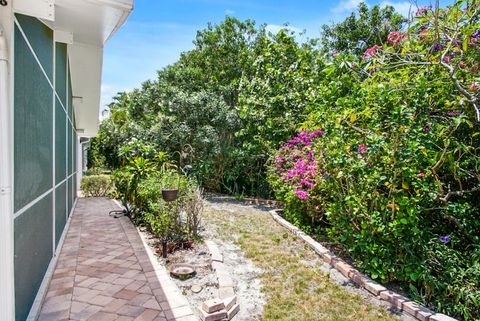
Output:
(217, 309)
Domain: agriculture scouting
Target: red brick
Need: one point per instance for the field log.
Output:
(374, 287)
(233, 311)
(214, 316)
(395, 299)
(147, 315)
(125, 294)
(357, 277)
(103, 316)
(417, 311)
(343, 268)
(328, 257)
(213, 305)
(115, 305)
(130, 310)
(152, 304)
(230, 302)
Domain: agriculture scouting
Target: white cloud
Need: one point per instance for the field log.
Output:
(276, 28)
(229, 12)
(346, 5)
(106, 96)
(405, 8)
(402, 7)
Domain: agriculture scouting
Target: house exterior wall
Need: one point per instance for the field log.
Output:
(44, 149)
(47, 67)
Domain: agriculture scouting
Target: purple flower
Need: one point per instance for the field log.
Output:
(307, 182)
(437, 47)
(311, 154)
(444, 239)
(446, 58)
(301, 194)
(453, 112)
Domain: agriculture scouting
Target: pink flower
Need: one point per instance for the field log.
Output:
(422, 10)
(301, 194)
(370, 52)
(474, 86)
(446, 58)
(421, 174)
(362, 149)
(395, 37)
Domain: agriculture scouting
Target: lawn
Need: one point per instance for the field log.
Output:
(294, 284)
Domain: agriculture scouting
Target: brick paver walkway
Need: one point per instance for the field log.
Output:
(105, 273)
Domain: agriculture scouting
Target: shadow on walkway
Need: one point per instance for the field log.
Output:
(104, 272)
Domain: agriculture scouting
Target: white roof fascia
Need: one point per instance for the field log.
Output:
(42, 9)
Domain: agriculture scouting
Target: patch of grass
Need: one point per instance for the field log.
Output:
(294, 290)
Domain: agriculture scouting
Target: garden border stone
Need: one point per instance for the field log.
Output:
(396, 300)
(225, 281)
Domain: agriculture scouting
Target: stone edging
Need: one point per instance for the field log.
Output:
(396, 300)
(225, 282)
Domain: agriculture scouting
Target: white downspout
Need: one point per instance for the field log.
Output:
(7, 306)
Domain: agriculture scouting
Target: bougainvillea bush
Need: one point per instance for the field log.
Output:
(394, 176)
(295, 174)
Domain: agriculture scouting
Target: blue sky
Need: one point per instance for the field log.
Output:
(159, 30)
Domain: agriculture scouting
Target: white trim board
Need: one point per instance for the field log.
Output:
(39, 198)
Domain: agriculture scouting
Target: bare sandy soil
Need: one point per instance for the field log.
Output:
(243, 272)
(246, 276)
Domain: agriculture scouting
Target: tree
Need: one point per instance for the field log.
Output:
(357, 33)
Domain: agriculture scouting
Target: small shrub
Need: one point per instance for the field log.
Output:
(97, 186)
(176, 221)
(97, 171)
(193, 209)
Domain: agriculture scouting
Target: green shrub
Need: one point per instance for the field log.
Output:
(97, 171)
(97, 186)
(396, 175)
(179, 219)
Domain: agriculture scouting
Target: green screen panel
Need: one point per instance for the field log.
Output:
(32, 127)
(40, 38)
(61, 71)
(33, 252)
(60, 210)
(60, 143)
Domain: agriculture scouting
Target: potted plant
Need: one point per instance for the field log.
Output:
(170, 184)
